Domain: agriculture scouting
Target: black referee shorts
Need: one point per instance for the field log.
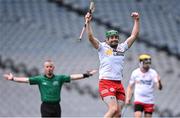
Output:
(50, 109)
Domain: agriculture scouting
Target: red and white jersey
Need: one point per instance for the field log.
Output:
(111, 61)
(144, 85)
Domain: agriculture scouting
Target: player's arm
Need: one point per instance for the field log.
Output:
(94, 41)
(135, 32)
(129, 93)
(159, 84)
(82, 76)
(16, 79)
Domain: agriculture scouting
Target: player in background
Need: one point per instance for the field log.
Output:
(144, 79)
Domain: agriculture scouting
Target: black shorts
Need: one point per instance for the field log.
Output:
(138, 107)
(49, 109)
(141, 108)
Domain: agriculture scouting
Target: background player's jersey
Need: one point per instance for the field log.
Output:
(144, 85)
(111, 61)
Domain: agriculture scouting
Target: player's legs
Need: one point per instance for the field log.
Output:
(148, 110)
(119, 109)
(113, 96)
(112, 104)
(120, 95)
(138, 110)
(107, 92)
(138, 114)
(148, 114)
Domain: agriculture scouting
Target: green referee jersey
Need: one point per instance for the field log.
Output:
(50, 88)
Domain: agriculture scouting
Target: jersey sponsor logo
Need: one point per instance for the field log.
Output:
(146, 82)
(118, 53)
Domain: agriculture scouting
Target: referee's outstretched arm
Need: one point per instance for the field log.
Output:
(82, 76)
(11, 77)
(17, 79)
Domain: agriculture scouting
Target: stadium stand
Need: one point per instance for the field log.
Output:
(34, 30)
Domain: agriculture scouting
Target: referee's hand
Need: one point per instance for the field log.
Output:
(92, 72)
(8, 76)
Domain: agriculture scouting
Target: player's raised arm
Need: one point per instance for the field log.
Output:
(16, 79)
(94, 41)
(135, 31)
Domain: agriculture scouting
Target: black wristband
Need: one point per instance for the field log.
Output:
(86, 75)
(12, 79)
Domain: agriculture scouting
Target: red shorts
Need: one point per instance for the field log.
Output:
(139, 106)
(111, 88)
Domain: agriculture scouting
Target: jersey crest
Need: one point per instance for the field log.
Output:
(109, 52)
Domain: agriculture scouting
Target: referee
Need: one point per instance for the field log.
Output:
(50, 87)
